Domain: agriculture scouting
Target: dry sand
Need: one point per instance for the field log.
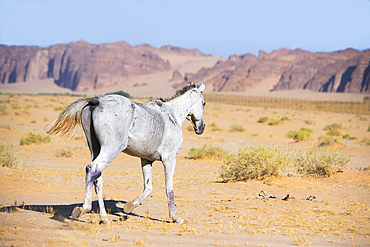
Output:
(47, 188)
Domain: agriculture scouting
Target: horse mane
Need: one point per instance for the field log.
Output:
(180, 92)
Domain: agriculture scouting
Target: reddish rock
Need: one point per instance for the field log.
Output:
(176, 76)
(340, 71)
(79, 66)
(181, 51)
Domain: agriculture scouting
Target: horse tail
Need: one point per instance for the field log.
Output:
(70, 118)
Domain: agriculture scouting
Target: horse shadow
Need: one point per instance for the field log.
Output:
(62, 212)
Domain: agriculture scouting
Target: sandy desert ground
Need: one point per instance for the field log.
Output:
(39, 194)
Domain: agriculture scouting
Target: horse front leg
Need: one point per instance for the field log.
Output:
(169, 170)
(146, 167)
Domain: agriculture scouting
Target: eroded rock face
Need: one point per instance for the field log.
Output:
(82, 66)
(341, 71)
(79, 66)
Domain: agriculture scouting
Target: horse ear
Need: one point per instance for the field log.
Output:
(201, 87)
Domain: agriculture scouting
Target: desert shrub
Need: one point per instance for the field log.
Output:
(334, 126)
(122, 93)
(274, 122)
(8, 157)
(309, 122)
(3, 110)
(26, 107)
(333, 132)
(189, 128)
(285, 119)
(347, 136)
(34, 138)
(264, 162)
(303, 134)
(366, 141)
(5, 126)
(368, 129)
(254, 163)
(207, 151)
(319, 163)
(59, 108)
(326, 140)
(263, 120)
(291, 133)
(236, 128)
(214, 127)
(15, 106)
(63, 152)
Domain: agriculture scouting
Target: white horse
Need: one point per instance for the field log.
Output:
(151, 131)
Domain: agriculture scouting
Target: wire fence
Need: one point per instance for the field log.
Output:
(327, 105)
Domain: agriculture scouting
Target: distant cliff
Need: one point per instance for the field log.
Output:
(82, 66)
(340, 71)
(79, 66)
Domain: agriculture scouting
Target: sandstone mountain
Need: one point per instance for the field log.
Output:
(340, 71)
(82, 66)
(85, 67)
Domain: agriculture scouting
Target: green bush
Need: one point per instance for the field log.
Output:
(285, 119)
(309, 122)
(274, 122)
(189, 128)
(326, 140)
(3, 110)
(368, 129)
(347, 136)
(7, 155)
(263, 120)
(63, 152)
(34, 138)
(366, 141)
(264, 162)
(59, 108)
(207, 151)
(291, 133)
(15, 106)
(122, 93)
(254, 163)
(307, 130)
(214, 127)
(303, 134)
(333, 132)
(320, 163)
(236, 128)
(334, 126)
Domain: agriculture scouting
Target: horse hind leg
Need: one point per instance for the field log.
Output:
(99, 192)
(146, 167)
(94, 147)
(93, 177)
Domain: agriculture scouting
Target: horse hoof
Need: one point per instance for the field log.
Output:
(128, 207)
(77, 212)
(105, 221)
(179, 221)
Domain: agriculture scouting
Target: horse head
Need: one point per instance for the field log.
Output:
(195, 115)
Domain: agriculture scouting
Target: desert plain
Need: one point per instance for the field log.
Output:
(40, 191)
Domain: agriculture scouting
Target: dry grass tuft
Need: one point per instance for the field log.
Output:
(8, 157)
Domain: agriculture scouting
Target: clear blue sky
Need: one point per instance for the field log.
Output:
(217, 27)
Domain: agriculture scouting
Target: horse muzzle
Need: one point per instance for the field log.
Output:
(200, 129)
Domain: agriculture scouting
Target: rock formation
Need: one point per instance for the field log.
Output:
(82, 66)
(341, 71)
(79, 66)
